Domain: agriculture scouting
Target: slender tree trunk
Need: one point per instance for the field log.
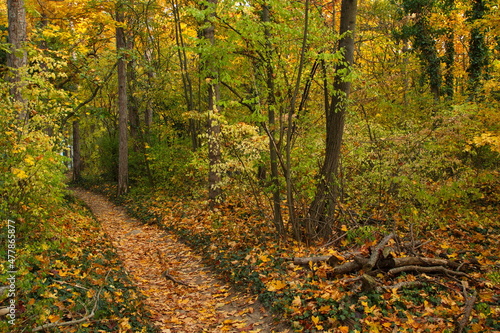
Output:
(214, 153)
(290, 127)
(186, 79)
(132, 102)
(322, 209)
(148, 113)
(449, 56)
(77, 158)
(122, 105)
(17, 58)
(273, 147)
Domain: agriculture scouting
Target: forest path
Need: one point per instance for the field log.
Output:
(182, 294)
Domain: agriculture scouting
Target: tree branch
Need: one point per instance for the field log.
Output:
(76, 321)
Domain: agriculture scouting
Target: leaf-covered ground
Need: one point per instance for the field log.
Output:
(72, 275)
(69, 278)
(238, 242)
(182, 295)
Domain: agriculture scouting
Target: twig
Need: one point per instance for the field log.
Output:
(76, 321)
(422, 244)
(469, 305)
(171, 278)
(166, 274)
(439, 269)
(403, 284)
(333, 241)
(70, 284)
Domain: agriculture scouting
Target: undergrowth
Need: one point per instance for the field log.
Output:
(240, 245)
(67, 274)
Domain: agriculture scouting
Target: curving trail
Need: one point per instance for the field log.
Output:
(182, 294)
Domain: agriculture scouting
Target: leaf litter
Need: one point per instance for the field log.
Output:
(182, 294)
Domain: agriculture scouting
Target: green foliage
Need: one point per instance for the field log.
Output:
(108, 156)
(31, 162)
(420, 170)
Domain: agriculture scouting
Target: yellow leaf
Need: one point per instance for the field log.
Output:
(19, 173)
(344, 329)
(54, 318)
(476, 328)
(29, 160)
(325, 308)
(315, 320)
(296, 301)
(276, 285)
(124, 324)
(344, 228)
(264, 258)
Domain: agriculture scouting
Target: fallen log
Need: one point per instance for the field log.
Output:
(423, 269)
(305, 261)
(346, 268)
(374, 258)
(381, 259)
(393, 263)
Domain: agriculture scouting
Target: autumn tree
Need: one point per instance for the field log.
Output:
(17, 57)
(322, 210)
(478, 50)
(271, 115)
(424, 36)
(209, 63)
(122, 101)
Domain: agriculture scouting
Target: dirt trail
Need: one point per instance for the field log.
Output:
(183, 296)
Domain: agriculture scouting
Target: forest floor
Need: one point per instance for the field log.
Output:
(239, 244)
(181, 293)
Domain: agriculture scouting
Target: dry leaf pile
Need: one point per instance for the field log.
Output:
(181, 293)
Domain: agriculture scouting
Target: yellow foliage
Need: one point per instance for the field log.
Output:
(488, 139)
(276, 285)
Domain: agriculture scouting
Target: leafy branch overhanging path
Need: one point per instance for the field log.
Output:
(182, 295)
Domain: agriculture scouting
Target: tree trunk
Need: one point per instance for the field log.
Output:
(289, 134)
(449, 56)
(122, 105)
(77, 159)
(17, 58)
(273, 149)
(323, 206)
(186, 79)
(214, 153)
(132, 102)
(478, 51)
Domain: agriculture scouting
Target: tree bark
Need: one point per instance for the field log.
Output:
(214, 153)
(478, 51)
(271, 106)
(132, 101)
(186, 79)
(77, 159)
(17, 57)
(322, 209)
(122, 104)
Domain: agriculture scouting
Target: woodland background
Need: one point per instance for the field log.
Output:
(293, 128)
